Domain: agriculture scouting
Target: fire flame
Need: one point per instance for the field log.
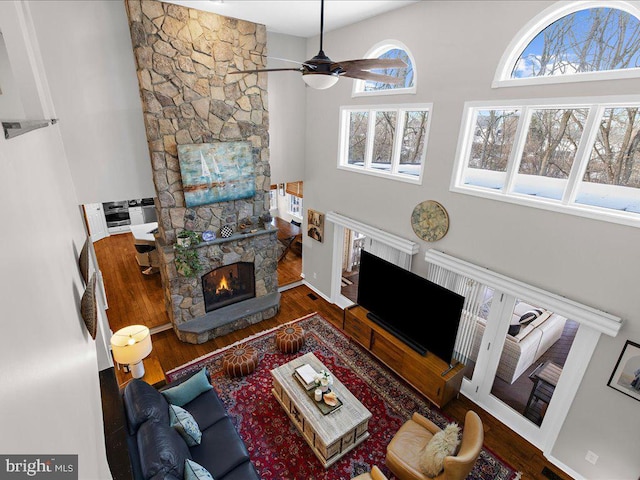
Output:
(223, 285)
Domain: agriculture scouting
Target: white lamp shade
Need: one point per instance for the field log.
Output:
(320, 81)
(131, 344)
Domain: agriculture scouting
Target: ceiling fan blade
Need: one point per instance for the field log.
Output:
(371, 63)
(374, 77)
(268, 70)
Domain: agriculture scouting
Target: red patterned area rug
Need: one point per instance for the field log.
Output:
(276, 447)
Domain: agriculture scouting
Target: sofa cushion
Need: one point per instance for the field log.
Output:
(195, 471)
(188, 390)
(162, 450)
(143, 402)
(186, 426)
(206, 409)
(221, 449)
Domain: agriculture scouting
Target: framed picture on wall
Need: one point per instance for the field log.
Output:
(315, 225)
(626, 375)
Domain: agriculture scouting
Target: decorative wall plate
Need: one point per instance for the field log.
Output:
(430, 221)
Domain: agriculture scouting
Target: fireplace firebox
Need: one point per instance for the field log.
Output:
(228, 284)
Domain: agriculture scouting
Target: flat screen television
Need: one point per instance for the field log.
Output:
(419, 312)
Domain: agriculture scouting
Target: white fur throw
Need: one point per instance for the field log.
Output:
(443, 444)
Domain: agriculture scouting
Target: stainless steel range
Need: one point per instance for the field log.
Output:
(116, 213)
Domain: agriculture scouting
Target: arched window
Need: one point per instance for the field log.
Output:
(389, 49)
(574, 42)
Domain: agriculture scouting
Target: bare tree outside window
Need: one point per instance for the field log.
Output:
(615, 159)
(385, 140)
(591, 40)
(552, 142)
(413, 140)
(358, 124)
(385, 130)
(493, 139)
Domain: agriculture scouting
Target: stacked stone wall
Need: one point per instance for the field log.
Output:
(182, 58)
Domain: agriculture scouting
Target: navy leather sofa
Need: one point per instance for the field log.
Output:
(157, 450)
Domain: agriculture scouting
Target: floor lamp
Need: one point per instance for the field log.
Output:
(130, 345)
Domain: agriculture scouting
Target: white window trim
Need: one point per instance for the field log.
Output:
(540, 22)
(593, 323)
(374, 52)
(562, 206)
(344, 139)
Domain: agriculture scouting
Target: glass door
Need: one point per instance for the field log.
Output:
(353, 244)
(519, 355)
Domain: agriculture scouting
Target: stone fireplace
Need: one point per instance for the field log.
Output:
(182, 57)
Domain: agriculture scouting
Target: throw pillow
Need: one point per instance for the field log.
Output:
(514, 330)
(195, 471)
(441, 445)
(530, 316)
(182, 394)
(185, 424)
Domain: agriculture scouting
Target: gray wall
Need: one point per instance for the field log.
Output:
(87, 53)
(457, 47)
(287, 109)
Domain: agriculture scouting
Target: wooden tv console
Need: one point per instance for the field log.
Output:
(427, 373)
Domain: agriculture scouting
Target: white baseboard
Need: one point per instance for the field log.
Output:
(316, 291)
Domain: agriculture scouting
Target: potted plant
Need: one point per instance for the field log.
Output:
(187, 261)
(186, 238)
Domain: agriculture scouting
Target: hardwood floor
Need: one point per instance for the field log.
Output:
(126, 307)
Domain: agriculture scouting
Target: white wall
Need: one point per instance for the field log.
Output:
(87, 53)
(48, 360)
(287, 109)
(10, 103)
(457, 47)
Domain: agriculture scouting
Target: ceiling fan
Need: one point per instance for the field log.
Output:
(321, 72)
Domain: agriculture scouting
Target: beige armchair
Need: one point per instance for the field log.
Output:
(375, 474)
(405, 448)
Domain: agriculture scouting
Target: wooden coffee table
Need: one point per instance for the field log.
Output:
(332, 435)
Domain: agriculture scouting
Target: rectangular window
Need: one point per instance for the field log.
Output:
(493, 137)
(295, 206)
(549, 151)
(386, 141)
(579, 157)
(612, 177)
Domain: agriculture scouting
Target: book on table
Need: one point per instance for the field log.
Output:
(306, 375)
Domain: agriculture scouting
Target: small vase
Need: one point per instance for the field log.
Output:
(324, 388)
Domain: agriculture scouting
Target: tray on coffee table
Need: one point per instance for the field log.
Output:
(324, 408)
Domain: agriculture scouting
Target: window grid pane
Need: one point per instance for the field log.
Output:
(358, 124)
(549, 151)
(415, 132)
(612, 176)
(492, 142)
(385, 130)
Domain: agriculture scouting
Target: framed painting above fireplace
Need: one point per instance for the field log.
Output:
(216, 172)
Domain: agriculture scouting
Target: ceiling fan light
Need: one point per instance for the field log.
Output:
(320, 81)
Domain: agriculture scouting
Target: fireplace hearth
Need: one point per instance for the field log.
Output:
(228, 284)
